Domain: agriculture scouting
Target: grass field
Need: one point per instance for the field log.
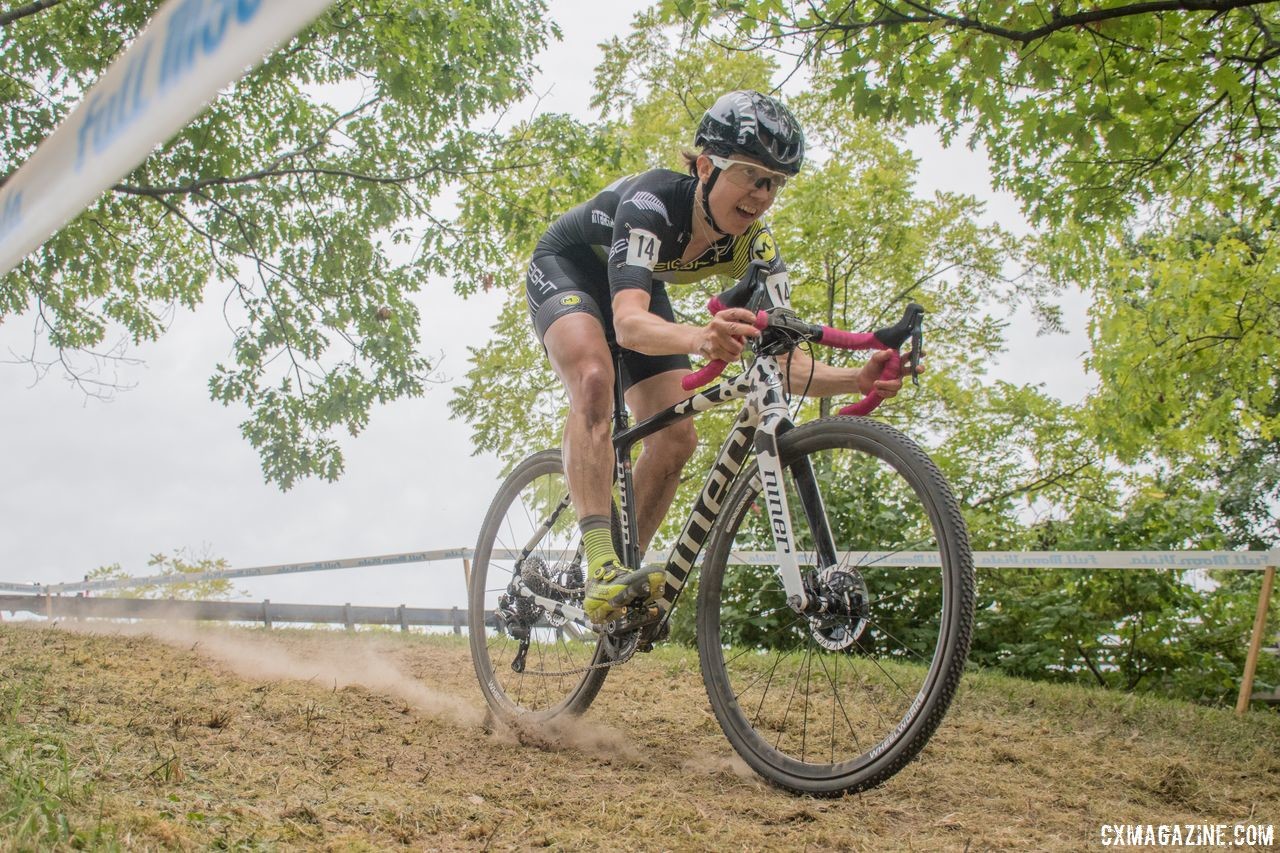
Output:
(176, 737)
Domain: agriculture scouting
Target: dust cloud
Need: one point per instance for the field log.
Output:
(261, 657)
(603, 743)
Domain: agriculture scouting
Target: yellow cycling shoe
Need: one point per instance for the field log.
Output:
(611, 589)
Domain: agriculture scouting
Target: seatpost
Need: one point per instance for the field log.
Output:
(620, 419)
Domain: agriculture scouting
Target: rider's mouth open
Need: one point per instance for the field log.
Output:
(747, 212)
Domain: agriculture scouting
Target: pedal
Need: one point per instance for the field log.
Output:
(633, 619)
(649, 638)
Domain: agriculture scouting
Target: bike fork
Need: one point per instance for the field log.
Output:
(775, 420)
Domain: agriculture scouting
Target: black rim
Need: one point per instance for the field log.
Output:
(555, 646)
(827, 716)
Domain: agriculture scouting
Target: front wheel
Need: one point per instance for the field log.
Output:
(532, 661)
(841, 697)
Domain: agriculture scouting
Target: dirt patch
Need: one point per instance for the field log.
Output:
(182, 737)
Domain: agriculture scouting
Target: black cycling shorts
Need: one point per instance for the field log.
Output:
(556, 285)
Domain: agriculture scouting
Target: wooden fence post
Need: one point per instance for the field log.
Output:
(466, 573)
(266, 613)
(404, 623)
(1255, 641)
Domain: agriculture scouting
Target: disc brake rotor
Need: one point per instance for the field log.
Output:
(846, 603)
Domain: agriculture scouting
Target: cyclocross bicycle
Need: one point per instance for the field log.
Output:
(831, 660)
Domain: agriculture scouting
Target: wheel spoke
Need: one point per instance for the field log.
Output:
(771, 673)
(791, 697)
(902, 645)
(531, 512)
(876, 663)
(837, 702)
(767, 685)
(918, 545)
(804, 733)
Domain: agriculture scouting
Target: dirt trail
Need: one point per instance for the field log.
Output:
(325, 740)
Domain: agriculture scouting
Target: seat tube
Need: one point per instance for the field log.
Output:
(622, 472)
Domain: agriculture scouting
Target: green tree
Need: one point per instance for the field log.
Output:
(651, 95)
(1141, 138)
(1030, 471)
(859, 241)
(1186, 338)
(512, 398)
(1170, 632)
(1086, 110)
(299, 199)
(178, 564)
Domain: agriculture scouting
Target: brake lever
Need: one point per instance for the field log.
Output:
(917, 349)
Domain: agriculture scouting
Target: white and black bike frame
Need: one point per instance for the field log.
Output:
(764, 418)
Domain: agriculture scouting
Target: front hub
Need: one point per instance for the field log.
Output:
(839, 607)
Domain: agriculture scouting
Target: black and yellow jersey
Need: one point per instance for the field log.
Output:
(637, 228)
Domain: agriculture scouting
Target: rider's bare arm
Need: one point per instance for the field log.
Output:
(828, 381)
(647, 333)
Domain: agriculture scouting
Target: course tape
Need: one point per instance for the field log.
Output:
(1236, 560)
(253, 572)
(189, 51)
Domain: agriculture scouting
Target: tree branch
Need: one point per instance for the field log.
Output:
(250, 177)
(895, 18)
(1102, 682)
(1035, 485)
(7, 18)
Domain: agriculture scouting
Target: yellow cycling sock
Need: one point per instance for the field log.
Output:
(597, 543)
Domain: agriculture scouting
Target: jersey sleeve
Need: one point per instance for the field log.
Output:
(641, 230)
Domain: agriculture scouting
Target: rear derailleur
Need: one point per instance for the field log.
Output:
(517, 614)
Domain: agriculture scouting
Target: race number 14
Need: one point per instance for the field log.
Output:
(642, 248)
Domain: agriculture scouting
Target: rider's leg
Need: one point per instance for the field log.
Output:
(580, 357)
(663, 454)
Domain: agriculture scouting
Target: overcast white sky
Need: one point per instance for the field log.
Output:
(161, 467)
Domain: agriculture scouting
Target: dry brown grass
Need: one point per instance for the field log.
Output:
(185, 738)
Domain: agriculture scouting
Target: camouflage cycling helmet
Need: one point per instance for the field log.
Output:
(747, 122)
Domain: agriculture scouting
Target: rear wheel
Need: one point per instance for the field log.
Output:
(530, 660)
(842, 696)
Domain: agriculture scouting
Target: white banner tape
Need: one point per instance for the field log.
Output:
(1181, 560)
(251, 572)
(189, 51)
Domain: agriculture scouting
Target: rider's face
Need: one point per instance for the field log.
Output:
(735, 204)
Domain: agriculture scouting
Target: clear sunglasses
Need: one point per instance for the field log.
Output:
(749, 175)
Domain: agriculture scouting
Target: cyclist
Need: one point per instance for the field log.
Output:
(597, 278)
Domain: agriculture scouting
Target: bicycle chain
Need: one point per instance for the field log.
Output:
(530, 575)
(590, 667)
